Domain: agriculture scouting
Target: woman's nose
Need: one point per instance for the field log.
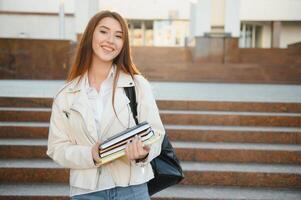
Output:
(110, 38)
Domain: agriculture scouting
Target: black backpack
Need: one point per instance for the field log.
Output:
(166, 166)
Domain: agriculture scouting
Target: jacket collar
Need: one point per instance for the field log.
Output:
(78, 84)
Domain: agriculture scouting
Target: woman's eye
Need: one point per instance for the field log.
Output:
(104, 32)
(119, 36)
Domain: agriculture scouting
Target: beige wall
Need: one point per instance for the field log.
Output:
(291, 33)
(148, 9)
(35, 26)
(218, 13)
(266, 35)
(51, 6)
(270, 10)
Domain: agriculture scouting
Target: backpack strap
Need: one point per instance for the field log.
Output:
(131, 94)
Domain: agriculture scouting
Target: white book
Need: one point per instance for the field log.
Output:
(125, 134)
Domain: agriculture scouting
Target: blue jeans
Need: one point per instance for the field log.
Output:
(133, 192)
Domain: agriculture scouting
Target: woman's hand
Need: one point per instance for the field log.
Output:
(95, 152)
(135, 149)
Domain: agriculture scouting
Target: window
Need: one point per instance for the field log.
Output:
(158, 32)
(141, 32)
(250, 36)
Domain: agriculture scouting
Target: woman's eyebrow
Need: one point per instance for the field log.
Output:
(102, 26)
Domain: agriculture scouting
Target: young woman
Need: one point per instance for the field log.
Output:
(93, 106)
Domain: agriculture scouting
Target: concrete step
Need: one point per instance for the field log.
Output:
(186, 151)
(207, 174)
(26, 130)
(234, 134)
(235, 152)
(243, 175)
(43, 191)
(229, 106)
(29, 171)
(177, 117)
(23, 148)
(173, 105)
(29, 102)
(238, 134)
(227, 193)
(230, 118)
(40, 191)
(25, 114)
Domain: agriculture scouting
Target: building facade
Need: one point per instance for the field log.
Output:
(257, 23)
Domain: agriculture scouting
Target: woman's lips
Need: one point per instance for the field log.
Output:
(107, 48)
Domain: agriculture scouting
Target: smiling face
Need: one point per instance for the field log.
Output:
(107, 39)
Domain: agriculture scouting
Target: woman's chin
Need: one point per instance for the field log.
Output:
(106, 58)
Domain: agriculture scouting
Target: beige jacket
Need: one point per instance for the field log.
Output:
(72, 133)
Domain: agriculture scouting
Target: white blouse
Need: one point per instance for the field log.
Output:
(98, 100)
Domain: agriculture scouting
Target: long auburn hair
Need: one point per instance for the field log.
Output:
(84, 52)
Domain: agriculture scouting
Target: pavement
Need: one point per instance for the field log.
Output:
(171, 91)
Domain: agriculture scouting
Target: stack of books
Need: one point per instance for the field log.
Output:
(114, 147)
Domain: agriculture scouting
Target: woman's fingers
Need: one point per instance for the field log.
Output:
(135, 149)
(95, 152)
(143, 150)
(129, 150)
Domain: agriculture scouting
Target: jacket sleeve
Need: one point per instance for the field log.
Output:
(148, 111)
(61, 148)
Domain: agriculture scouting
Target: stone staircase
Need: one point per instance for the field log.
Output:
(228, 150)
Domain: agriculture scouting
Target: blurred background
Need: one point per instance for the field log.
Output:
(226, 75)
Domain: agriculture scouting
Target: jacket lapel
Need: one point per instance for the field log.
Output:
(82, 106)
